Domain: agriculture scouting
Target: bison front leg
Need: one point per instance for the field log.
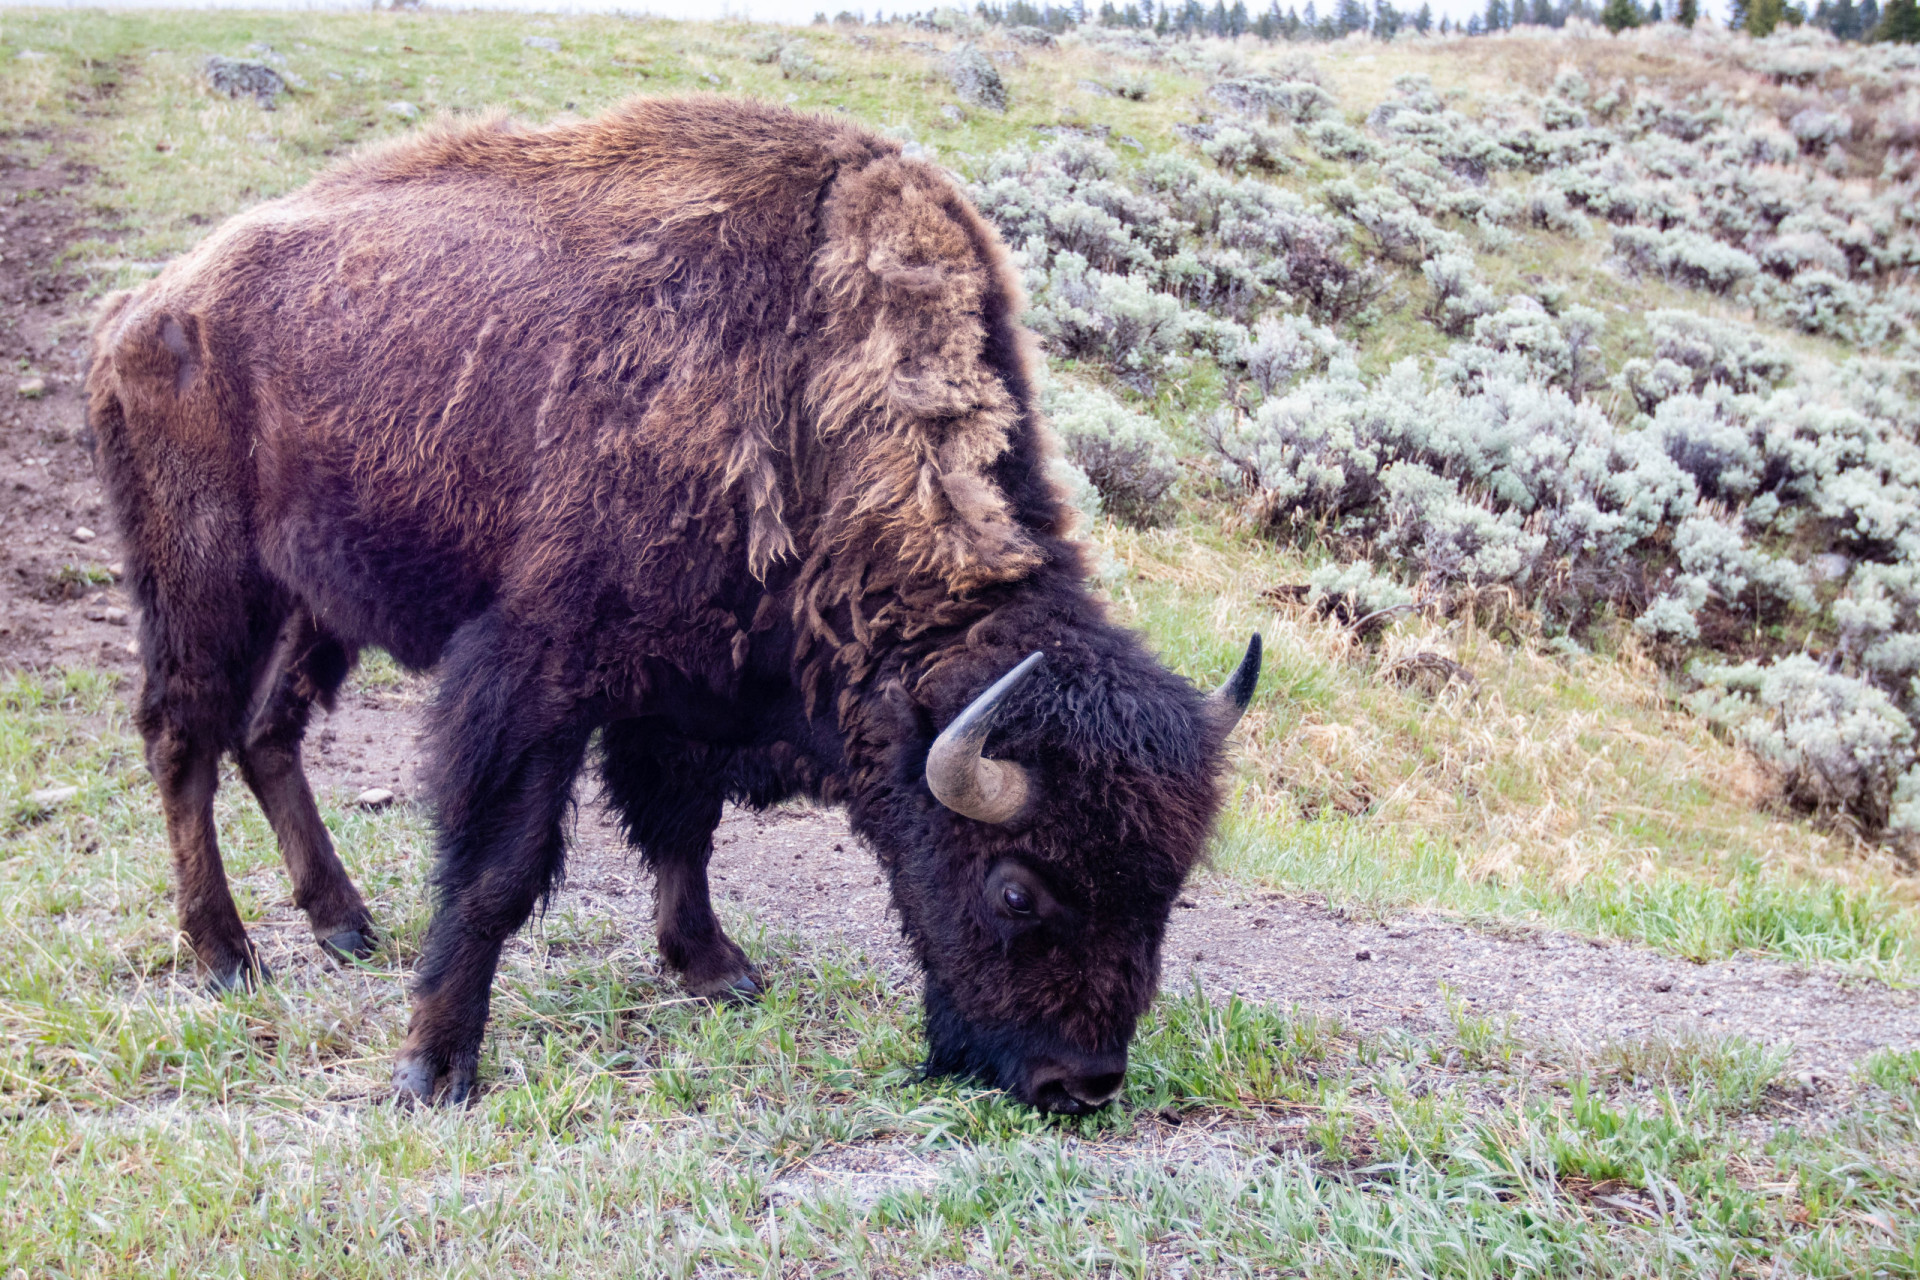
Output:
(666, 794)
(504, 790)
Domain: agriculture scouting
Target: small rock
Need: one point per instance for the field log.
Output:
(32, 388)
(51, 797)
(404, 109)
(374, 798)
(118, 570)
(84, 534)
(952, 114)
(1831, 566)
(542, 42)
(976, 79)
(1363, 955)
(244, 77)
(1663, 984)
(114, 616)
(1187, 903)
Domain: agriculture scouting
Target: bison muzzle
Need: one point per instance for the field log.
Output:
(696, 442)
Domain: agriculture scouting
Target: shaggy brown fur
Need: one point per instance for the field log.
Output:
(704, 425)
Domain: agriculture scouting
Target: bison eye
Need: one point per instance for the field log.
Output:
(1018, 900)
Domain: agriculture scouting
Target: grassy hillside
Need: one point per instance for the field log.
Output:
(1547, 401)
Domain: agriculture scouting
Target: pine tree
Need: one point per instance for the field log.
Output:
(1763, 16)
(1386, 20)
(1653, 12)
(1621, 14)
(1423, 20)
(1899, 23)
(1688, 13)
(1498, 18)
(1869, 17)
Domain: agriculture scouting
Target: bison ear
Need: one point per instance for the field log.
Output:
(1228, 703)
(906, 718)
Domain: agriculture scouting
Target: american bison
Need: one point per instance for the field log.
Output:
(706, 427)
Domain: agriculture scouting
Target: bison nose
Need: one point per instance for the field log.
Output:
(1078, 1086)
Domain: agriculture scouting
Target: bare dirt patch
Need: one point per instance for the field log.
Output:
(59, 603)
(802, 872)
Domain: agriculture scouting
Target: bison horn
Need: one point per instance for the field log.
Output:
(1226, 704)
(966, 781)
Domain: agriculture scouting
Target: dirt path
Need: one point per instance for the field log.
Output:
(802, 872)
(59, 604)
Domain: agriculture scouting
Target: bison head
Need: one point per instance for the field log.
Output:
(1036, 844)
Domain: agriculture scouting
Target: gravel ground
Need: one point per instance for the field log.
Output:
(802, 873)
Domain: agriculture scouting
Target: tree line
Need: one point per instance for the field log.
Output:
(1866, 20)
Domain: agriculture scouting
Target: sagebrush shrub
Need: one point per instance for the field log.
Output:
(1124, 455)
(1838, 742)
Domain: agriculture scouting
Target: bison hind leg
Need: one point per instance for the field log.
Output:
(307, 665)
(669, 798)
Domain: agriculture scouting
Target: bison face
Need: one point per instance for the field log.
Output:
(1036, 883)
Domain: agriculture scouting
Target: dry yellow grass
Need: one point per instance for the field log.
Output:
(1552, 765)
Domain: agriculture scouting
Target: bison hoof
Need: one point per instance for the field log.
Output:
(743, 988)
(415, 1082)
(351, 943)
(231, 979)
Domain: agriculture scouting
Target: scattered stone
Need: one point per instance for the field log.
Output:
(1663, 984)
(404, 109)
(1831, 566)
(374, 798)
(51, 797)
(952, 114)
(1363, 955)
(244, 77)
(976, 79)
(542, 42)
(1035, 37)
(118, 570)
(84, 534)
(32, 388)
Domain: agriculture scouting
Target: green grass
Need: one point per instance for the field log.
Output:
(627, 1129)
